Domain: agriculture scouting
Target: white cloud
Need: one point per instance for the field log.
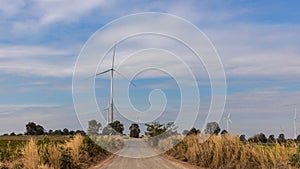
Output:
(25, 51)
(53, 11)
(36, 60)
(258, 50)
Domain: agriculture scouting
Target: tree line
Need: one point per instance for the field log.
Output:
(152, 129)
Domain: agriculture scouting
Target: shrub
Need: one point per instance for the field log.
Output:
(295, 159)
(75, 146)
(31, 155)
(92, 148)
(5, 154)
(54, 156)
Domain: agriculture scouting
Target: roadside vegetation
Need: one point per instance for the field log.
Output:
(58, 149)
(212, 148)
(76, 152)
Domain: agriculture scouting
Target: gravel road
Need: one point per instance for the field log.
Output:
(137, 154)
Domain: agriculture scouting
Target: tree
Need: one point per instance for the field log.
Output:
(243, 138)
(171, 129)
(262, 138)
(30, 128)
(298, 138)
(57, 132)
(40, 130)
(117, 126)
(271, 139)
(114, 128)
(193, 131)
(81, 132)
(281, 138)
(66, 131)
(72, 132)
(50, 132)
(93, 127)
(134, 130)
(154, 129)
(258, 138)
(33, 129)
(212, 128)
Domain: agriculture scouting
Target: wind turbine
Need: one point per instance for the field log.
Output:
(295, 123)
(294, 119)
(107, 115)
(112, 70)
(228, 120)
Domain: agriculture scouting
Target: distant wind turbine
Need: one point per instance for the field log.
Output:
(112, 70)
(295, 123)
(228, 120)
(107, 115)
(294, 120)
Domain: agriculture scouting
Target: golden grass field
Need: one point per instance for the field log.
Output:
(228, 152)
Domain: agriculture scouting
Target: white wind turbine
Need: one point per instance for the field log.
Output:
(112, 70)
(294, 120)
(107, 115)
(228, 120)
(295, 123)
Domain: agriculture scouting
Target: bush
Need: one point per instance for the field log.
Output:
(92, 148)
(6, 153)
(66, 161)
(295, 160)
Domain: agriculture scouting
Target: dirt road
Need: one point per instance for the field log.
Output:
(137, 154)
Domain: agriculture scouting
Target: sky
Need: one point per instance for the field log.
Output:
(257, 42)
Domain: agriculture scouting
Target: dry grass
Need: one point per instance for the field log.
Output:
(54, 156)
(49, 155)
(76, 152)
(228, 152)
(31, 155)
(75, 146)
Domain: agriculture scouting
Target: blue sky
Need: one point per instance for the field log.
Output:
(258, 43)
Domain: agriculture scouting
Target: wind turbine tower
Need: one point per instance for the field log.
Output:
(112, 70)
(295, 123)
(228, 121)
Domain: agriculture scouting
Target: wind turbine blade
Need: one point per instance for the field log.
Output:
(113, 58)
(125, 77)
(99, 74)
(229, 121)
(103, 72)
(105, 109)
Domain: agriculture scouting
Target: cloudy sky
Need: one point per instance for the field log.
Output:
(257, 41)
